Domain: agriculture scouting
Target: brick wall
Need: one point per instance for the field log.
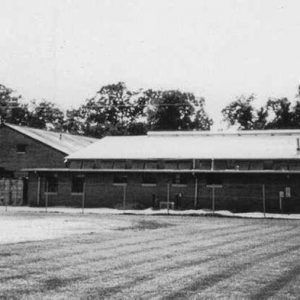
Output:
(239, 192)
(37, 154)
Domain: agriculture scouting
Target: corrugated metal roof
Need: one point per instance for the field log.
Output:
(66, 143)
(266, 144)
(226, 133)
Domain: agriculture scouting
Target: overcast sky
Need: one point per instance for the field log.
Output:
(64, 51)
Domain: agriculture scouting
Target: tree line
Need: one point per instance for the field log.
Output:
(113, 110)
(276, 113)
(117, 110)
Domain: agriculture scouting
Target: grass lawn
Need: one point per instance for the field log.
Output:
(160, 257)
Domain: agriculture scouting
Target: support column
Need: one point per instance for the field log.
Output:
(83, 196)
(196, 193)
(38, 191)
(213, 199)
(264, 199)
(168, 197)
(124, 196)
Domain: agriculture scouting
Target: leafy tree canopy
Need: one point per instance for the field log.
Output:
(113, 110)
(10, 109)
(242, 113)
(45, 114)
(277, 113)
(175, 110)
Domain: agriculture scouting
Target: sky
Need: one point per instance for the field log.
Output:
(65, 50)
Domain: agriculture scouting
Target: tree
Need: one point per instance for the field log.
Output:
(44, 115)
(296, 115)
(73, 122)
(137, 128)
(283, 115)
(114, 110)
(10, 108)
(240, 112)
(260, 122)
(243, 114)
(277, 113)
(175, 110)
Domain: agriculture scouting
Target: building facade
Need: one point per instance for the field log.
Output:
(24, 147)
(244, 171)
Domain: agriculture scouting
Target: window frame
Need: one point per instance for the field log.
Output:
(214, 179)
(22, 146)
(179, 183)
(47, 190)
(72, 184)
(120, 183)
(149, 183)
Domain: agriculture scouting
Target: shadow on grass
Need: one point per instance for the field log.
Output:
(12, 277)
(201, 283)
(5, 254)
(105, 292)
(273, 287)
(146, 225)
(56, 282)
(49, 284)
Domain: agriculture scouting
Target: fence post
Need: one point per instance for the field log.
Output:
(264, 199)
(83, 197)
(168, 197)
(8, 194)
(124, 196)
(280, 202)
(213, 199)
(38, 191)
(196, 192)
(46, 196)
(9, 191)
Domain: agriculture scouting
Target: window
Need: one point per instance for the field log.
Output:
(185, 165)
(204, 165)
(107, 164)
(119, 164)
(268, 164)
(138, 164)
(256, 165)
(220, 164)
(21, 148)
(51, 184)
(151, 165)
(149, 179)
(180, 179)
(76, 164)
(231, 165)
(89, 164)
(212, 179)
(120, 179)
(171, 164)
(77, 184)
(280, 166)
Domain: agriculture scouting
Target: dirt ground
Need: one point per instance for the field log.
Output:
(61, 256)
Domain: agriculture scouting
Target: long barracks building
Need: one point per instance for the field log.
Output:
(240, 171)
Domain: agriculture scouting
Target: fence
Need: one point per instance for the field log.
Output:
(11, 191)
(233, 197)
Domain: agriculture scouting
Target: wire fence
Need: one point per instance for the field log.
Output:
(234, 197)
